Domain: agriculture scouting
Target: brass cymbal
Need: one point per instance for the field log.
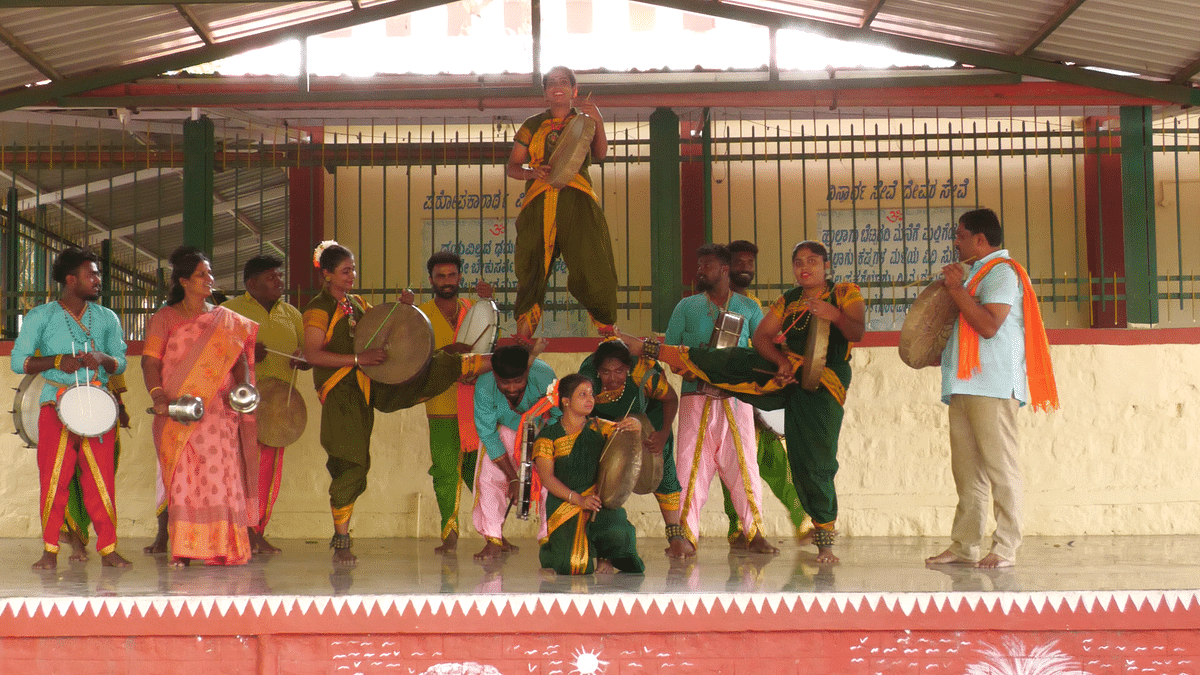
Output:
(281, 414)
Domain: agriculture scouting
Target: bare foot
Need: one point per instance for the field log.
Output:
(491, 551)
(114, 559)
(159, 545)
(259, 544)
(825, 555)
(48, 561)
(992, 561)
(181, 562)
(946, 557)
(804, 533)
(680, 548)
(343, 556)
(78, 548)
(759, 544)
(449, 544)
(509, 547)
(738, 542)
(605, 567)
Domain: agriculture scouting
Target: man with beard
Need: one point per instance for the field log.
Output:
(453, 462)
(280, 329)
(73, 339)
(772, 456)
(716, 431)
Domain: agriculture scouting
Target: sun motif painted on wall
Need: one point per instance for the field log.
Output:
(1015, 659)
(588, 663)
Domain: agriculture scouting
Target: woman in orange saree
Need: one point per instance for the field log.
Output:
(210, 466)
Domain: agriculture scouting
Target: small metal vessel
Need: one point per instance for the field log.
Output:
(186, 409)
(243, 398)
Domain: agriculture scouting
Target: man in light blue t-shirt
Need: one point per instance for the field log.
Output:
(716, 431)
(983, 406)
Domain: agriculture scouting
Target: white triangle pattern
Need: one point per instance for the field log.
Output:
(608, 604)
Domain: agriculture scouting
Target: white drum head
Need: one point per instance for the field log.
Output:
(773, 419)
(87, 410)
(480, 328)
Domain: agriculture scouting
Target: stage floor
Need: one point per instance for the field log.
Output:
(398, 567)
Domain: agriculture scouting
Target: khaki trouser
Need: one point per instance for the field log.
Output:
(983, 459)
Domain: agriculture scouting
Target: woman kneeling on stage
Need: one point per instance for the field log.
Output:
(582, 536)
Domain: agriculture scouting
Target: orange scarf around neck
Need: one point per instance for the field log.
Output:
(1043, 392)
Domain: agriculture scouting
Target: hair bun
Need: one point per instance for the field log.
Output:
(182, 253)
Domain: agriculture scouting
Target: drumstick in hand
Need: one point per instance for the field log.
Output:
(290, 356)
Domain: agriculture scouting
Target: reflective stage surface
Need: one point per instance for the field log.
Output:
(410, 567)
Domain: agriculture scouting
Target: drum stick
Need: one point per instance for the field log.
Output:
(293, 386)
(301, 359)
(930, 280)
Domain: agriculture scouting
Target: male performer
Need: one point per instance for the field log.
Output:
(280, 329)
(716, 431)
(772, 456)
(453, 463)
(77, 339)
(566, 221)
(516, 382)
(76, 523)
(984, 381)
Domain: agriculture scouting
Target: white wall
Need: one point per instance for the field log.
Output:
(1119, 458)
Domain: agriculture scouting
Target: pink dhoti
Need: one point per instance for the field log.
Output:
(491, 494)
(716, 436)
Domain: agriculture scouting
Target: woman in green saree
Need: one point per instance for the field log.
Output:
(582, 536)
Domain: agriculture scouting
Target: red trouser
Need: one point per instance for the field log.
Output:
(59, 451)
(270, 473)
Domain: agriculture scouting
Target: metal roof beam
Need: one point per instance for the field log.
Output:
(1023, 65)
(871, 13)
(1187, 72)
(200, 29)
(1049, 27)
(23, 96)
(28, 55)
(93, 187)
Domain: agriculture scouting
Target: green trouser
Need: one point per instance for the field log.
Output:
(77, 519)
(450, 467)
(582, 240)
(347, 421)
(812, 421)
(608, 535)
(773, 467)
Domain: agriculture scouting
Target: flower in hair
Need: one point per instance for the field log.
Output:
(552, 393)
(321, 249)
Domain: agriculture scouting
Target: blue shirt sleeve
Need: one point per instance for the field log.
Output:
(1000, 287)
(112, 342)
(676, 325)
(28, 339)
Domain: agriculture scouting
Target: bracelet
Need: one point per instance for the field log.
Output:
(569, 498)
(58, 362)
(650, 348)
(356, 360)
(164, 391)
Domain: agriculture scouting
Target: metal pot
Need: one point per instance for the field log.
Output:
(186, 409)
(243, 398)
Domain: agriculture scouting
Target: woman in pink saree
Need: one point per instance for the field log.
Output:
(209, 467)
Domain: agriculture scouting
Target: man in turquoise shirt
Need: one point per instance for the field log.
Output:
(515, 384)
(716, 431)
(68, 341)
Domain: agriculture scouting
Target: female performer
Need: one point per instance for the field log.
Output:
(567, 456)
(627, 387)
(209, 467)
(349, 403)
(812, 419)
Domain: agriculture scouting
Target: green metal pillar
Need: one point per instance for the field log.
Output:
(198, 151)
(12, 269)
(1137, 181)
(106, 268)
(666, 285)
(706, 156)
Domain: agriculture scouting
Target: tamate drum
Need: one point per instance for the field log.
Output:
(281, 414)
(574, 144)
(927, 326)
(620, 465)
(88, 410)
(815, 351)
(651, 472)
(404, 332)
(26, 408)
(480, 328)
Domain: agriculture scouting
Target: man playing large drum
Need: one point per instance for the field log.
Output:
(78, 341)
(996, 360)
(280, 328)
(566, 220)
(349, 398)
